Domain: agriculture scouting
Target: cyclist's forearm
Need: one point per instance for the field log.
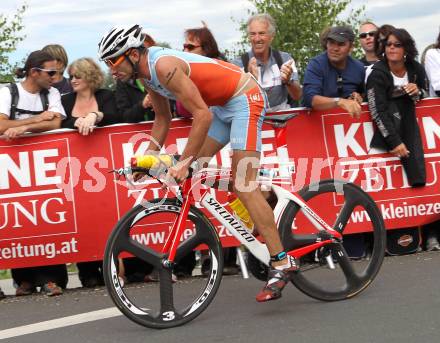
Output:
(159, 131)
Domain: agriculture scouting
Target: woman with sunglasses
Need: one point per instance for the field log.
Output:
(393, 88)
(89, 105)
(199, 41)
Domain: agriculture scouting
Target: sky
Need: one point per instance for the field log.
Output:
(78, 25)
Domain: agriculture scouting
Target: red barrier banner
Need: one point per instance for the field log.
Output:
(58, 203)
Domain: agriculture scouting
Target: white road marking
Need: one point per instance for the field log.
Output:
(61, 322)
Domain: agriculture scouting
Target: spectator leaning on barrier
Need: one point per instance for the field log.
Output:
(60, 56)
(367, 34)
(132, 100)
(275, 70)
(88, 105)
(36, 107)
(334, 78)
(32, 105)
(393, 88)
(432, 67)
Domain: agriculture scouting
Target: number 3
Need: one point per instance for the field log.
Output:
(169, 315)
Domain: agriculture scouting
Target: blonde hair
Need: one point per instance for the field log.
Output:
(58, 53)
(87, 69)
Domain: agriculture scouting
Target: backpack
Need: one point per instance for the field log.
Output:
(277, 55)
(13, 89)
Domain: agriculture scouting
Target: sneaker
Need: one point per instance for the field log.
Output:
(276, 281)
(51, 289)
(432, 244)
(25, 288)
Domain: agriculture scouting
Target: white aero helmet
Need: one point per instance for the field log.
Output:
(118, 40)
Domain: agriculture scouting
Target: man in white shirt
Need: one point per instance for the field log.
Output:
(31, 113)
(432, 67)
(34, 106)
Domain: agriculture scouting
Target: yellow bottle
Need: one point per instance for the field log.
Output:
(152, 161)
(240, 211)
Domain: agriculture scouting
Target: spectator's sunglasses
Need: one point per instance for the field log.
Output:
(190, 47)
(50, 72)
(117, 60)
(76, 76)
(364, 35)
(394, 44)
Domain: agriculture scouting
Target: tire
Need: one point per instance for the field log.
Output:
(350, 277)
(162, 304)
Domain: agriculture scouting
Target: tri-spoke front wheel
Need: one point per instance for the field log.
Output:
(162, 302)
(347, 277)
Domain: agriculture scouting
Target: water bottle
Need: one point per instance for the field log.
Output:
(240, 211)
(152, 161)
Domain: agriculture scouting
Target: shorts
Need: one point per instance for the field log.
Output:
(240, 121)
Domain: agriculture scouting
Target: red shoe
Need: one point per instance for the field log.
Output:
(272, 290)
(51, 289)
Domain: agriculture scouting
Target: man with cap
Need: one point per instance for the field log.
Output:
(333, 78)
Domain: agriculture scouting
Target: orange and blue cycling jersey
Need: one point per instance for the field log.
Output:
(216, 80)
(237, 119)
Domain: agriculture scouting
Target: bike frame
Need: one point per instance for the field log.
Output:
(212, 176)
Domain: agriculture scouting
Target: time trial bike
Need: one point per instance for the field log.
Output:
(326, 271)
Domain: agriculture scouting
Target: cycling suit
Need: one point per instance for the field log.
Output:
(237, 119)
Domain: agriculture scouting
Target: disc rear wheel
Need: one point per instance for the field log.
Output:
(349, 276)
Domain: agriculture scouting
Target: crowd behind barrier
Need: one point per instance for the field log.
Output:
(54, 187)
(58, 203)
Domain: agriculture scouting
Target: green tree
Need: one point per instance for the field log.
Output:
(10, 36)
(300, 22)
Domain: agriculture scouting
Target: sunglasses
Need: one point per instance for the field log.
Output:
(190, 47)
(364, 35)
(115, 61)
(394, 44)
(50, 72)
(76, 76)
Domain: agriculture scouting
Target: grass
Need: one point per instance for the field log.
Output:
(6, 274)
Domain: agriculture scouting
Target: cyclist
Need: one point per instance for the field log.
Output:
(236, 115)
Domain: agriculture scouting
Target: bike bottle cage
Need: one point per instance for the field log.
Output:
(278, 257)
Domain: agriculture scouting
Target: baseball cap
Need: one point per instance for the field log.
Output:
(341, 34)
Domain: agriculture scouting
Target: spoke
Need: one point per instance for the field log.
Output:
(141, 251)
(341, 256)
(344, 216)
(187, 246)
(166, 294)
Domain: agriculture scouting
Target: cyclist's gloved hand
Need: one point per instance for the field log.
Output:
(179, 172)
